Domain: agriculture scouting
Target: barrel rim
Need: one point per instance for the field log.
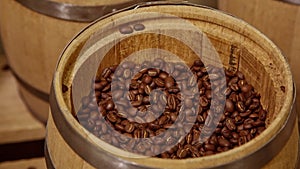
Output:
(64, 115)
(294, 2)
(73, 12)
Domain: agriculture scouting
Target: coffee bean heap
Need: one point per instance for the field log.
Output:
(155, 104)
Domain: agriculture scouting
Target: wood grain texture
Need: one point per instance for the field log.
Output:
(36, 163)
(33, 42)
(92, 2)
(257, 57)
(16, 122)
(57, 146)
(210, 3)
(278, 20)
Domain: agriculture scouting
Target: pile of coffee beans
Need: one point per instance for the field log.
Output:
(207, 111)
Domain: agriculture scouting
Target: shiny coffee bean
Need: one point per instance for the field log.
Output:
(169, 82)
(229, 106)
(126, 30)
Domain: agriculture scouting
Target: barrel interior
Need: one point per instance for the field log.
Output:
(239, 47)
(233, 56)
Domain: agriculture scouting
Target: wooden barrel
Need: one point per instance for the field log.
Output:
(239, 46)
(279, 20)
(34, 34)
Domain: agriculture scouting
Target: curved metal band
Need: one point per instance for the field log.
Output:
(48, 160)
(92, 154)
(293, 1)
(73, 12)
(34, 91)
(298, 158)
(33, 113)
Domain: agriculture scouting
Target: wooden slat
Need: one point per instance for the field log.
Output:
(36, 163)
(16, 122)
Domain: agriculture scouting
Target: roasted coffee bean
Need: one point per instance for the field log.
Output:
(173, 117)
(195, 68)
(119, 127)
(129, 128)
(200, 119)
(242, 140)
(262, 115)
(188, 103)
(118, 94)
(182, 153)
(146, 100)
(147, 79)
(137, 76)
(241, 97)
(106, 73)
(93, 115)
(234, 87)
(244, 133)
(242, 83)
(207, 153)
(246, 113)
(229, 105)
(248, 126)
(169, 82)
(159, 82)
(163, 120)
(172, 102)
(160, 131)
(112, 117)
(246, 88)
(139, 27)
(240, 75)
(152, 72)
(149, 117)
(127, 73)
(258, 123)
(137, 133)
(180, 66)
(209, 147)
(155, 101)
(132, 111)
(230, 124)
(203, 101)
(85, 101)
(240, 106)
(213, 140)
(165, 155)
(90, 124)
(82, 117)
(110, 105)
(189, 138)
(223, 142)
(253, 106)
(158, 62)
(226, 132)
(148, 89)
(253, 116)
(126, 30)
(238, 120)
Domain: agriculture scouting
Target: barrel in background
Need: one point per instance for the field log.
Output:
(258, 58)
(34, 33)
(279, 20)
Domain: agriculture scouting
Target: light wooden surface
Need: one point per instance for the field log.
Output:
(36, 163)
(16, 122)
